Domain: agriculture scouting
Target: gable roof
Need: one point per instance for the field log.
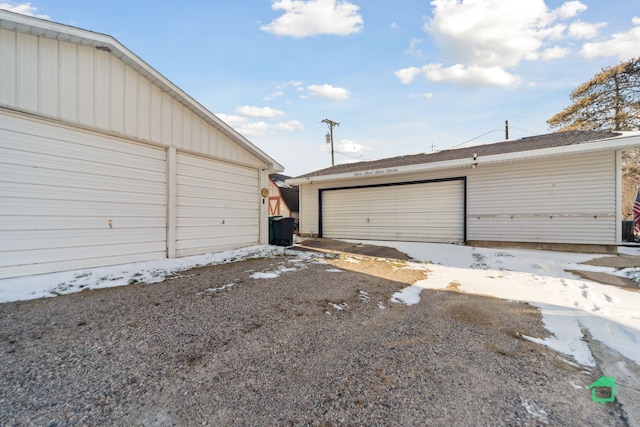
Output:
(549, 144)
(52, 30)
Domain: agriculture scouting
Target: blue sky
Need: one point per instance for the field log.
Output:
(400, 78)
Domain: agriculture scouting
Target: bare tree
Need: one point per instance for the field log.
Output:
(609, 101)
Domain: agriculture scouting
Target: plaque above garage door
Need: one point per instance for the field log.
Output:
(430, 211)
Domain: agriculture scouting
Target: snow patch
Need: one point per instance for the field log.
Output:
(409, 295)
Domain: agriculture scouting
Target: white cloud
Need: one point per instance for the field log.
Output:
(460, 74)
(314, 17)
(569, 10)
(24, 9)
(329, 92)
(555, 52)
(253, 128)
(622, 45)
(232, 120)
(484, 39)
(414, 49)
(289, 126)
(406, 75)
(585, 30)
(266, 112)
(427, 95)
(351, 147)
(273, 96)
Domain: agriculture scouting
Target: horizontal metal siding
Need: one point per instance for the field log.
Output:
(84, 85)
(60, 187)
(569, 199)
(217, 206)
(425, 212)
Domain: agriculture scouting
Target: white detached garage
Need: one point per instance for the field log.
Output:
(105, 161)
(555, 191)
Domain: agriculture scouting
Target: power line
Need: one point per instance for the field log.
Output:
(479, 136)
(352, 156)
(524, 130)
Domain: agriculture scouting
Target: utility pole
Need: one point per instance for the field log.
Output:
(506, 129)
(331, 124)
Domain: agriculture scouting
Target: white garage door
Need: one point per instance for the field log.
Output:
(72, 199)
(421, 212)
(217, 206)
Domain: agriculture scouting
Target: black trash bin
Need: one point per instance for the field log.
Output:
(282, 231)
(272, 240)
(627, 231)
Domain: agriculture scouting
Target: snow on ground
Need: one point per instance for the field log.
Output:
(568, 303)
(50, 285)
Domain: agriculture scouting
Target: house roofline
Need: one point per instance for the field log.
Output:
(56, 31)
(626, 140)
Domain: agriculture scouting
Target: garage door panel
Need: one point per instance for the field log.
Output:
(15, 263)
(22, 222)
(70, 155)
(23, 240)
(60, 187)
(32, 192)
(94, 176)
(217, 206)
(215, 202)
(70, 208)
(429, 212)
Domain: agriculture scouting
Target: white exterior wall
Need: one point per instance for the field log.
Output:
(91, 87)
(567, 199)
(559, 199)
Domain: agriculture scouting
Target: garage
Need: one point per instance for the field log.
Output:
(70, 199)
(559, 191)
(104, 161)
(430, 211)
(217, 206)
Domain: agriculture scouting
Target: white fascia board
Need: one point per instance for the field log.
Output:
(56, 31)
(625, 141)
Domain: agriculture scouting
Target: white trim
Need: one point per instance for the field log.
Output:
(172, 157)
(618, 197)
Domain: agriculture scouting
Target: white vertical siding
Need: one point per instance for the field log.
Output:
(8, 67)
(49, 76)
(27, 74)
(568, 199)
(218, 206)
(72, 200)
(84, 85)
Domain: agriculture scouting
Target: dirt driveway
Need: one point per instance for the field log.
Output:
(319, 344)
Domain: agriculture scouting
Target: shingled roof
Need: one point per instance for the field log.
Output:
(551, 140)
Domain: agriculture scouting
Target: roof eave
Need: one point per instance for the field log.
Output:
(625, 141)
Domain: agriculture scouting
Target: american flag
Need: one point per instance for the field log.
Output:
(636, 213)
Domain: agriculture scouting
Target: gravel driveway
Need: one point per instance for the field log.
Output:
(320, 344)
